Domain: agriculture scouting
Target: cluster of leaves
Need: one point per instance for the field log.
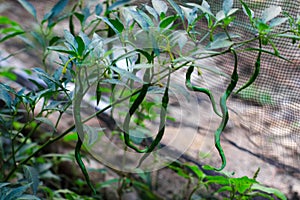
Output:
(88, 59)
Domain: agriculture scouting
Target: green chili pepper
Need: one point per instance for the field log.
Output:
(191, 87)
(132, 109)
(81, 164)
(256, 71)
(224, 109)
(162, 124)
(79, 93)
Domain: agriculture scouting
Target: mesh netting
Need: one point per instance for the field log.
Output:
(271, 113)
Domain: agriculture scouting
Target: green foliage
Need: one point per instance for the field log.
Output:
(152, 43)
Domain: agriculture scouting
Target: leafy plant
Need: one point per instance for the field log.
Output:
(152, 45)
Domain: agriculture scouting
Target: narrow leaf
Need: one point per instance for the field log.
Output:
(277, 21)
(31, 174)
(98, 92)
(152, 12)
(267, 190)
(29, 7)
(118, 4)
(270, 13)
(46, 121)
(177, 9)
(217, 44)
(247, 10)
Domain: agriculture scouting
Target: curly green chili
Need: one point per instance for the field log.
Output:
(224, 109)
(192, 87)
(256, 71)
(132, 110)
(162, 124)
(78, 96)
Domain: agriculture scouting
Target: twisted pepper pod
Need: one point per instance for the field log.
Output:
(224, 109)
(162, 124)
(256, 70)
(192, 87)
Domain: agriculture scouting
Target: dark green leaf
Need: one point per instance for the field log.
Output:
(54, 12)
(31, 175)
(98, 92)
(247, 10)
(270, 13)
(227, 6)
(29, 7)
(4, 96)
(167, 22)
(98, 9)
(107, 21)
(53, 40)
(62, 50)
(80, 17)
(117, 24)
(80, 45)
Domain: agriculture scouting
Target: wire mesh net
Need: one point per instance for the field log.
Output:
(271, 113)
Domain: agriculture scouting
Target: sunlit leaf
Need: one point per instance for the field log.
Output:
(218, 44)
(205, 7)
(227, 5)
(176, 8)
(152, 12)
(267, 190)
(270, 13)
(277, 21)
(159, 6)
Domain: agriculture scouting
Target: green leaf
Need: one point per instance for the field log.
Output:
(205, 7)
(31, 174)
(54, 12)
(29, 7)
(118, 4)
(62, 50)
(98, 92)
(139, 19)
(152, 12)
(218, 44)
(80, 45)
(278, 21)
(46, 121)
(14, 193)
(177, 9)
(126, 74)
(200, 174)
(268, 190)
(4, 96)
(107, 21)
(159, 6)
(295, 37)
(242, 184)
(98, 9)
(167, 22)
(247, 10)
(222, 180)
(227, 6)
(270, 13)
(117, 24)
